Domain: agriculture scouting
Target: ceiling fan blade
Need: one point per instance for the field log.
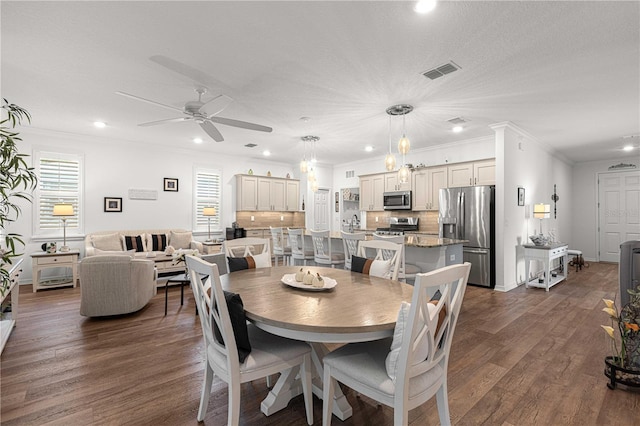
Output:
(138, 98)
(168, 120)
(211, 130)
(240, 124)
(190, 72)
(216, 105)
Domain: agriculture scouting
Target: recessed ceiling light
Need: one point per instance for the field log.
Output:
(368, 148)
(457, 129)
(425, 6)
(197, 140)
(100, 124)
(628, 148)
(266, 153)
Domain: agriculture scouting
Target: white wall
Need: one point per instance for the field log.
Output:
(585, 198)
(521, 161)
(113, 167)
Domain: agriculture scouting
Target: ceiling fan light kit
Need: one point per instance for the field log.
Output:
(196, 111)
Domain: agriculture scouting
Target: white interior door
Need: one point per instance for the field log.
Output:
(618, 212)
(321, 210)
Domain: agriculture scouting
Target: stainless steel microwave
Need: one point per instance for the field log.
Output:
(397, 200)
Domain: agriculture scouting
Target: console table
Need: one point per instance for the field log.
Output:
(546, 254)
(42, 261)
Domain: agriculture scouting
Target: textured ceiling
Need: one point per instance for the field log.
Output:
(567, 72)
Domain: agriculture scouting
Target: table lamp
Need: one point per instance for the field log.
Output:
(208, 212)
(541, 211)
(63, 211)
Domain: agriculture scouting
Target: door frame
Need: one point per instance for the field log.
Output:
(599, 205)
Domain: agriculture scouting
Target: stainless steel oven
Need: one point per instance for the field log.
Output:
(397, 200)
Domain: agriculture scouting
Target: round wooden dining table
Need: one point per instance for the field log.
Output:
(359, 308)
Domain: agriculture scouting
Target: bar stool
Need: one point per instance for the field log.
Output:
(322, 253)
(408, 271)
(280, 248)
(350, 243)
(298, 249)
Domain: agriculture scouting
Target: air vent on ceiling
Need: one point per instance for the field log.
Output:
(442, 70)
(251, 145)
(457, 120)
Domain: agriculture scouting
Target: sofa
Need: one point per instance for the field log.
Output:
(142, 244)
(115, 285)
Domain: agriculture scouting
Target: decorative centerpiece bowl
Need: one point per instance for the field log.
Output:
(540, 240)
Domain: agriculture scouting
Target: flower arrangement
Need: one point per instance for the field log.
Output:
(179, 255)
(627, 322)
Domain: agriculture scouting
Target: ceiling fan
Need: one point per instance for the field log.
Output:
(197, 111)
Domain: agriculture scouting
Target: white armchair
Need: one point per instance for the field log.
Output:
(115, 284)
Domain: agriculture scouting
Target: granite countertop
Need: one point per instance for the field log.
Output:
(429, 240)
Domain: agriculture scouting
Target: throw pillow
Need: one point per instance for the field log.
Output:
(250, 262)
(238, 323)
(134, 242)
(158, 242)
(109, 242)
(180, 240)
(377, 268)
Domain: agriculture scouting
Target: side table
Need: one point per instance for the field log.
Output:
(210, 247)
(41, 261)
(182, 280)
(546, 254)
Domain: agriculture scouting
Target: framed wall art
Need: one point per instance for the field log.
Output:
(520, 196)
(112, 205)
(171, 184)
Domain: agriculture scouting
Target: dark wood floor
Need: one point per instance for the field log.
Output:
(526, 357)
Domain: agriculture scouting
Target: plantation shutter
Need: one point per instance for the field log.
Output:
(59, 182)
(207, 194)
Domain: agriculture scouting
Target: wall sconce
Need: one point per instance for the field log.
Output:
(541, 211)
(63, 211)
(209, 212)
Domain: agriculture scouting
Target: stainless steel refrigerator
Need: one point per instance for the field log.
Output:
(468, 213)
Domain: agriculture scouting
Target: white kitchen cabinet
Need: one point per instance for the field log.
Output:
(247, 192)
(292, 196)
(472, 173)
(392, 183)
(371, 190)
(425, 185)
(266, 194)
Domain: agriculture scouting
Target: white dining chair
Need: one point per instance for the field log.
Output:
(270, 354)
(322, 252)
(415, 369)
(408, 271)
(249, 246)
(299, 251)
(350, 243)
(385, 252)
(280, 246)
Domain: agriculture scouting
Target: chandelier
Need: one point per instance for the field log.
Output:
(304, 165)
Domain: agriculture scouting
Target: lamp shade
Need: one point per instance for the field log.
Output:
(209, 211)
(541, 211)
(62, 210)
(390, 162)
(404, 145)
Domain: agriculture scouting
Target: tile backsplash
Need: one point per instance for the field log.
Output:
(266, 219)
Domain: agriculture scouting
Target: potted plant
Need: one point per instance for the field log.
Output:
(16, 178)
(624, 366)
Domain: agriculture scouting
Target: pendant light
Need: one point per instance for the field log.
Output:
(403, 144)
(390, 159)
(304, 166)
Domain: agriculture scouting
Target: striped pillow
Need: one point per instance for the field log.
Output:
(377, 268)
(158, 242)
(133, 243)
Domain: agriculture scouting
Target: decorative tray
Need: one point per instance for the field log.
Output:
(290, 280)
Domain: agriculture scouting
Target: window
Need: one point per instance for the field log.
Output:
(59, 181)
(207, 194)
